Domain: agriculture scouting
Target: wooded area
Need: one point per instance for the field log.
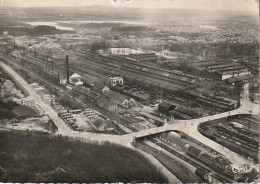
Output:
(27, 157)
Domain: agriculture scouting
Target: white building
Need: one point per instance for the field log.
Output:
(113, 81)
(256, 98)
(76, 79)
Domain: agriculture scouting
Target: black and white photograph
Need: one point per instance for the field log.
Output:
(129, 91)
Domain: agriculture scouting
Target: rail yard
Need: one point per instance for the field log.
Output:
(183, 95)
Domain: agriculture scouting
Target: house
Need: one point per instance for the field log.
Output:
(107, 104)
(165, 107)
(76, 79)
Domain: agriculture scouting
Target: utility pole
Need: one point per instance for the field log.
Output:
(67, 67)
(14, 40)
(249, 56)
(249, 122)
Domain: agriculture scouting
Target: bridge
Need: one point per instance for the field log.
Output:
(188, 127)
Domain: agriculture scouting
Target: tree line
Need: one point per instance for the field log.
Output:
(37, 158)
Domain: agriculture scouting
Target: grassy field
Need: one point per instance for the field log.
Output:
(21, 110)
(26, 157)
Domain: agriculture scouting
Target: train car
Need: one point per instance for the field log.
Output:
(237, 125)
(219, 179)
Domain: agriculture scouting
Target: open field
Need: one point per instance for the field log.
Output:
(21, 110)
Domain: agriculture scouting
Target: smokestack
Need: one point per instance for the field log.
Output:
(67, 68)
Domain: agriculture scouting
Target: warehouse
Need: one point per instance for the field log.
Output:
(107, 104)
(166, 107)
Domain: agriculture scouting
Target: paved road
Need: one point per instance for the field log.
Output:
(187, 126)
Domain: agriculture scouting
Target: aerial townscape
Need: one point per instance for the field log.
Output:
(129, 91)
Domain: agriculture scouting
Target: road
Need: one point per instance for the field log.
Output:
(187, 126)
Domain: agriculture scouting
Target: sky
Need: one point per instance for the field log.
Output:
(234, 5)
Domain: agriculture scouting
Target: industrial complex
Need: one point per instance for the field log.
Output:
(194, 108)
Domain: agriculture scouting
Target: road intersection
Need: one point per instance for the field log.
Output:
(188, 127)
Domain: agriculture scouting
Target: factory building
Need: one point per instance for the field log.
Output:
(74, 79)
(143, 57)
(107, 104)
(196, 107)
(113, 81)
(166, 107)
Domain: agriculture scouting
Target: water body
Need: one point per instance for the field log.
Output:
(106, 21)
(56, 24)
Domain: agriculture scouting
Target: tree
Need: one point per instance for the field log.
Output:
(102, 45)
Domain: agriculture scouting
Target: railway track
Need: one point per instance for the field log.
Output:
(42, 64)
(119, 59)
(181, 156)
(133, 74)
(237, 141)
(175, 76)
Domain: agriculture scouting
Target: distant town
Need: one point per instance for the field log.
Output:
(180, 95)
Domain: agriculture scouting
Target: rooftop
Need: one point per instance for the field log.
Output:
(115, 96)
(174, 140)
(75, 75)
(166, 104)
(105, 102)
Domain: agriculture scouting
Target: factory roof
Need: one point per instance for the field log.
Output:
(174, 140)
(105, 102)
(92, 94)
(193, 150)
(75, 75)
(116, 96)
(143, 96)
(166, 104)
